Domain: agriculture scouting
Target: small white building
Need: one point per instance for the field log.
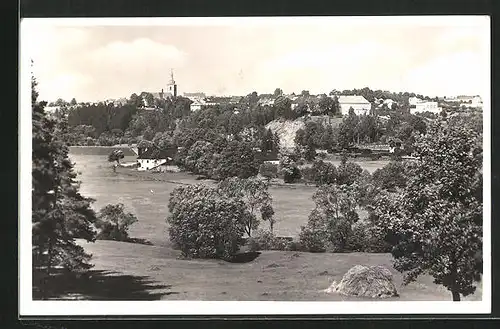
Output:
(151, 158)
(359, 104)
(197, 105)
(51, 109)
(425, 107)
(477, 102)
(389, 102)
(414, 100)
(269, 101)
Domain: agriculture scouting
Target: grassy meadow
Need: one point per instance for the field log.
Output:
(154, 272)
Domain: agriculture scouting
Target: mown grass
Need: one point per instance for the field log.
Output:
(273, 275)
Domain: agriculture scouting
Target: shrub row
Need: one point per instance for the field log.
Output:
(362, 238)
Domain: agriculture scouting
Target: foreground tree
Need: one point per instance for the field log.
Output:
(255, 194)
(391, 176)
(205, 224)
(113, 222)
(435, 224)
(330, 223)
(60, 213)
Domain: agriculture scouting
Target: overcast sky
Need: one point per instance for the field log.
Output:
(98, 62)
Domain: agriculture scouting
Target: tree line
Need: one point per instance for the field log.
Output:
(427, 212)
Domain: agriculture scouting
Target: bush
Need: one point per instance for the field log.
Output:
(89, 141)
(203, 224)
(268, 170)
(366, 237)
(339, 233)
(308, 174)
(324, 173)
(113, 223)
(312, 240)
(294, 246)
(391, 176)
(253, 244)
(291, 175)
(348, 172)
(313, 236)
(266, 240)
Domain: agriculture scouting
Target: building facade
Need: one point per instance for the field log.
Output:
(422, 107)
(151, 158)
(358, 103)
(197, 105)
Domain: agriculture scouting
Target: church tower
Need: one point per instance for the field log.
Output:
(171, 86)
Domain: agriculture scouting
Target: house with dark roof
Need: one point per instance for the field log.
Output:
(152, 157)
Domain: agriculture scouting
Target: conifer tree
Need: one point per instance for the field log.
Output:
(60, 214)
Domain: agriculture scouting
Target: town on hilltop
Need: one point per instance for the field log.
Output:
(363, 101)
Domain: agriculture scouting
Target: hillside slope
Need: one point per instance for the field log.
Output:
(286, 131)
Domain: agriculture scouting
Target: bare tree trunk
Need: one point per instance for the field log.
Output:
(456, 295)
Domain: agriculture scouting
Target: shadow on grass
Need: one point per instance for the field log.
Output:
(244, 257)
(129, 240)
(95, 285)
(139, 241)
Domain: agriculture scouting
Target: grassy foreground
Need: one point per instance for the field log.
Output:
(155, 273)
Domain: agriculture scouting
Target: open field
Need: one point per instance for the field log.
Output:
(148, 199)
(154, 273)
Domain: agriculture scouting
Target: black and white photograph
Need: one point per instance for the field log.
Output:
(255, 165)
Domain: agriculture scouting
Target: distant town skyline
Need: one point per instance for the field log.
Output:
(92, 63)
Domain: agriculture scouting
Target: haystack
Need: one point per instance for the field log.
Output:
(363, 281)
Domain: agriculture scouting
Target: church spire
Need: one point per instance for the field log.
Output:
(172, 81)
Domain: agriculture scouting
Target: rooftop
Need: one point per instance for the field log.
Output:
(156, 153)
(353, 100)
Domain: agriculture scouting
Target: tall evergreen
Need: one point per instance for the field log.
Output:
(60, 214)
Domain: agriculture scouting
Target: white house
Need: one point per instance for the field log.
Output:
(477, 102)
(151, 158)
(389, 102)
(360, 105)
(425, 107)
(197, 104)
(414, 100)
(266, 101)
(51, 109)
